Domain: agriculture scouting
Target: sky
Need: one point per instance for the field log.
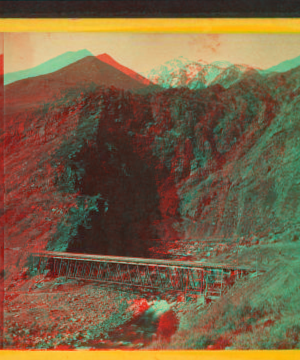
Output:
(143, 52)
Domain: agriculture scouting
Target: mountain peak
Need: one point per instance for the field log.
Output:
(112, 62)
(222, 64)
(104, 56)
(34, 91)
(47, 67)
(82, 51)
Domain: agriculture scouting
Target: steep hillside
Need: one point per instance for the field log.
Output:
(253, 195)
(247, 210)
(82, 161)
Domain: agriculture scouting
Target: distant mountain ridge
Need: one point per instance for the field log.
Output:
(181, 72)
(102, 70)
(47, 67)
(176, 72)
(66, 59)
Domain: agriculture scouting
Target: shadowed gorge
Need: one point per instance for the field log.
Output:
(124, 222)
(118, 169)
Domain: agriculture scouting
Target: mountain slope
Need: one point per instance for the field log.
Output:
(203, 138)
(285, 65)
(251, 209)
(45, 88)
(108, 170)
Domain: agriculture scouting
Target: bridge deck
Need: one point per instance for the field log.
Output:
(167, 275)
(130, 260)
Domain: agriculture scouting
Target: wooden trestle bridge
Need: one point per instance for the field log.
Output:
(164, 275)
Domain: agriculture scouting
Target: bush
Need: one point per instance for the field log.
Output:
(168, 324)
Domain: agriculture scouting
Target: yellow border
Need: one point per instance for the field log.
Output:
(152, 25)
(150, 355)
(266, 26)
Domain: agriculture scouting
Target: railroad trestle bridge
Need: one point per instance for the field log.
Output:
(206, 279)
